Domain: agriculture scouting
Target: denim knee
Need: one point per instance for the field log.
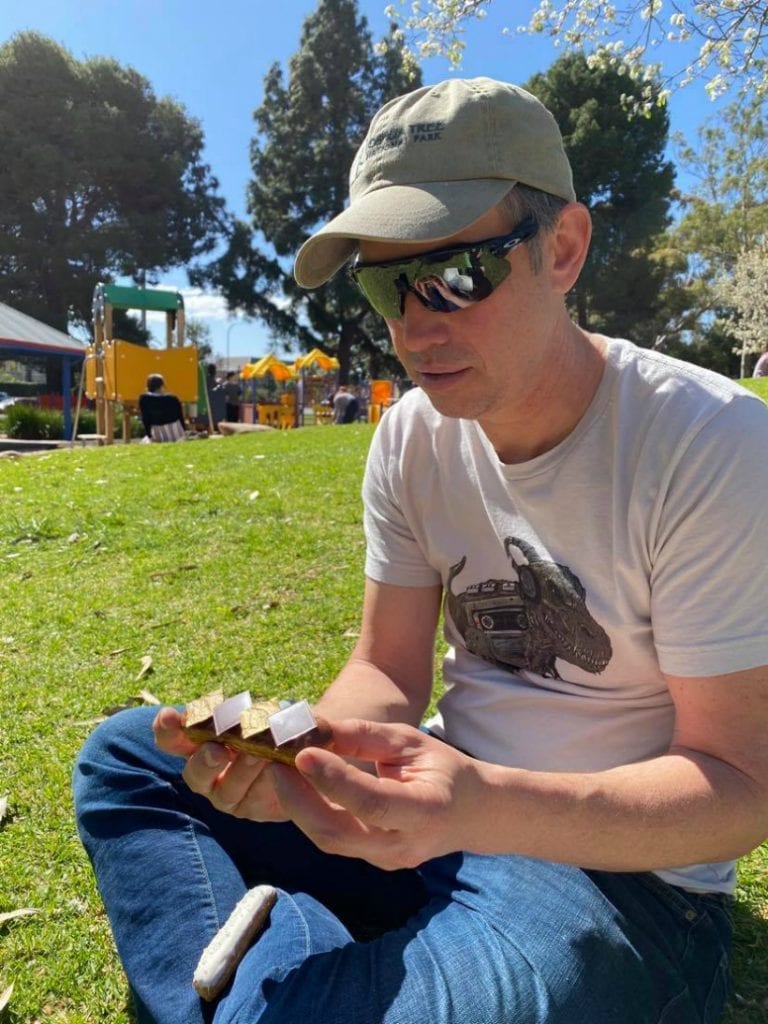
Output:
(124, 740)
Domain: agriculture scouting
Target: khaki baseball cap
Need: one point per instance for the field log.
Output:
(433, 162)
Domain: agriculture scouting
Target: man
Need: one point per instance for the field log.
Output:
(345, 406)
(232, 394)
(161, 412)
(560, 848)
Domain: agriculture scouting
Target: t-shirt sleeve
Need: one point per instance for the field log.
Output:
(393, 554)
(709, 585)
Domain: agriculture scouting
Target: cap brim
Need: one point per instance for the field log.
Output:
(426, 212)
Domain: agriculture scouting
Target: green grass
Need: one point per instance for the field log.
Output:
(759, 385)
(233, 562)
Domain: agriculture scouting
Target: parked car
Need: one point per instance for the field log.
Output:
(6, 401)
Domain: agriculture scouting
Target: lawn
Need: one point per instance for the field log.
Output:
(234, 562)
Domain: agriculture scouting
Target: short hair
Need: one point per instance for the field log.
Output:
(155, 381)
(521, 202)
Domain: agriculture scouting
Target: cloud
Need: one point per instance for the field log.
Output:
(202, 305)
(198, 305)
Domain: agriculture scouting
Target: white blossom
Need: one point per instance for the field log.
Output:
(733, 53)
(746, 293)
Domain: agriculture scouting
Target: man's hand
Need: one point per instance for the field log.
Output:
(236, 784)
(417, 806)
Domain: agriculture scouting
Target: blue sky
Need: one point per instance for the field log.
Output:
(213, 58)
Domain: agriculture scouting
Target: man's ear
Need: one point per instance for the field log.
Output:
(570, 244)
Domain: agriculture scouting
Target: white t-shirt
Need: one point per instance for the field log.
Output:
(574, 579)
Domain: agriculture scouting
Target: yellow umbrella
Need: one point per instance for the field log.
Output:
(316, 356)
(267, 364)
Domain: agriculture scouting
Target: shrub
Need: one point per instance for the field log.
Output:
(28, 423)
(86, 424)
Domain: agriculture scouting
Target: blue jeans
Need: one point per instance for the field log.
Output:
(466, 939)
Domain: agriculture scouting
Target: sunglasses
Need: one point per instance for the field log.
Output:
(443, 281)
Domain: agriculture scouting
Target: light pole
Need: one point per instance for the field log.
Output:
(234, 323)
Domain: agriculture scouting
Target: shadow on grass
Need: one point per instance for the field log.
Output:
(749, 993)
(130, 1010)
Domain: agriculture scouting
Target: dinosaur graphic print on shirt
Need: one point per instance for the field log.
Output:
(529, 622)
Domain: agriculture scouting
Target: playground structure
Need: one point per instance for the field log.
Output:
(280, 414)
(312, 378)
(314, 370)
(116, 371)
(381, 397)
(283, 412)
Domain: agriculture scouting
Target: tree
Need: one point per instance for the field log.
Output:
(746, 291)
(129, 328)
(727, 211)
(712, 347)
(725, 220)
(722, 42)
(620, 173)
(99, 178)
(308, 132)
(199, 334)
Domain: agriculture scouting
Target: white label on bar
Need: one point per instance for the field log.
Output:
(291, 722)
(228, 714)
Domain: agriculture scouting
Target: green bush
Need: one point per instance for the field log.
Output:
(86, 424)
(28, 423)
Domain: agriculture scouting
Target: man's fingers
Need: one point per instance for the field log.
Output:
(169, 735)
(234, 783)
(376, 741)
(240, 781)
(330, 826)
(365, 796)
(204, 767)
(337, 829)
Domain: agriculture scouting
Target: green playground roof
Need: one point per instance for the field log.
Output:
(123, 297)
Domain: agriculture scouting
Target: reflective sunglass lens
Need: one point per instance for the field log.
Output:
(453, 287)
(444, 280)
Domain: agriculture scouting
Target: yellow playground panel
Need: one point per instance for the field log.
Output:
(127, 366)
(382, 393)
(117, 371)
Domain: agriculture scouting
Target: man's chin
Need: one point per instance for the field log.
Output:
(457, 407)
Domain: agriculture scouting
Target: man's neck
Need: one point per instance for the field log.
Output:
(557, 401)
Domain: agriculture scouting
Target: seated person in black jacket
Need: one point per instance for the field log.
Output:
(161, 411)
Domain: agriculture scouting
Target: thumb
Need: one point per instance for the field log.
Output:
(169, 735)
(365, 740)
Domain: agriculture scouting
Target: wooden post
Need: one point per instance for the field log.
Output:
(109, 423)
(98, 370)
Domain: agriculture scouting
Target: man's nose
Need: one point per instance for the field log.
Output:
(421, 328)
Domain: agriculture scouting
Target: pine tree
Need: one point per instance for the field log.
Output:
(309, 128)
(621, 174)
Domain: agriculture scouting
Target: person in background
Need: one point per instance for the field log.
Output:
(585, 519)
(216, 398)
(232, 395)
(161, 412)
(345, 406)
(761, 366)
